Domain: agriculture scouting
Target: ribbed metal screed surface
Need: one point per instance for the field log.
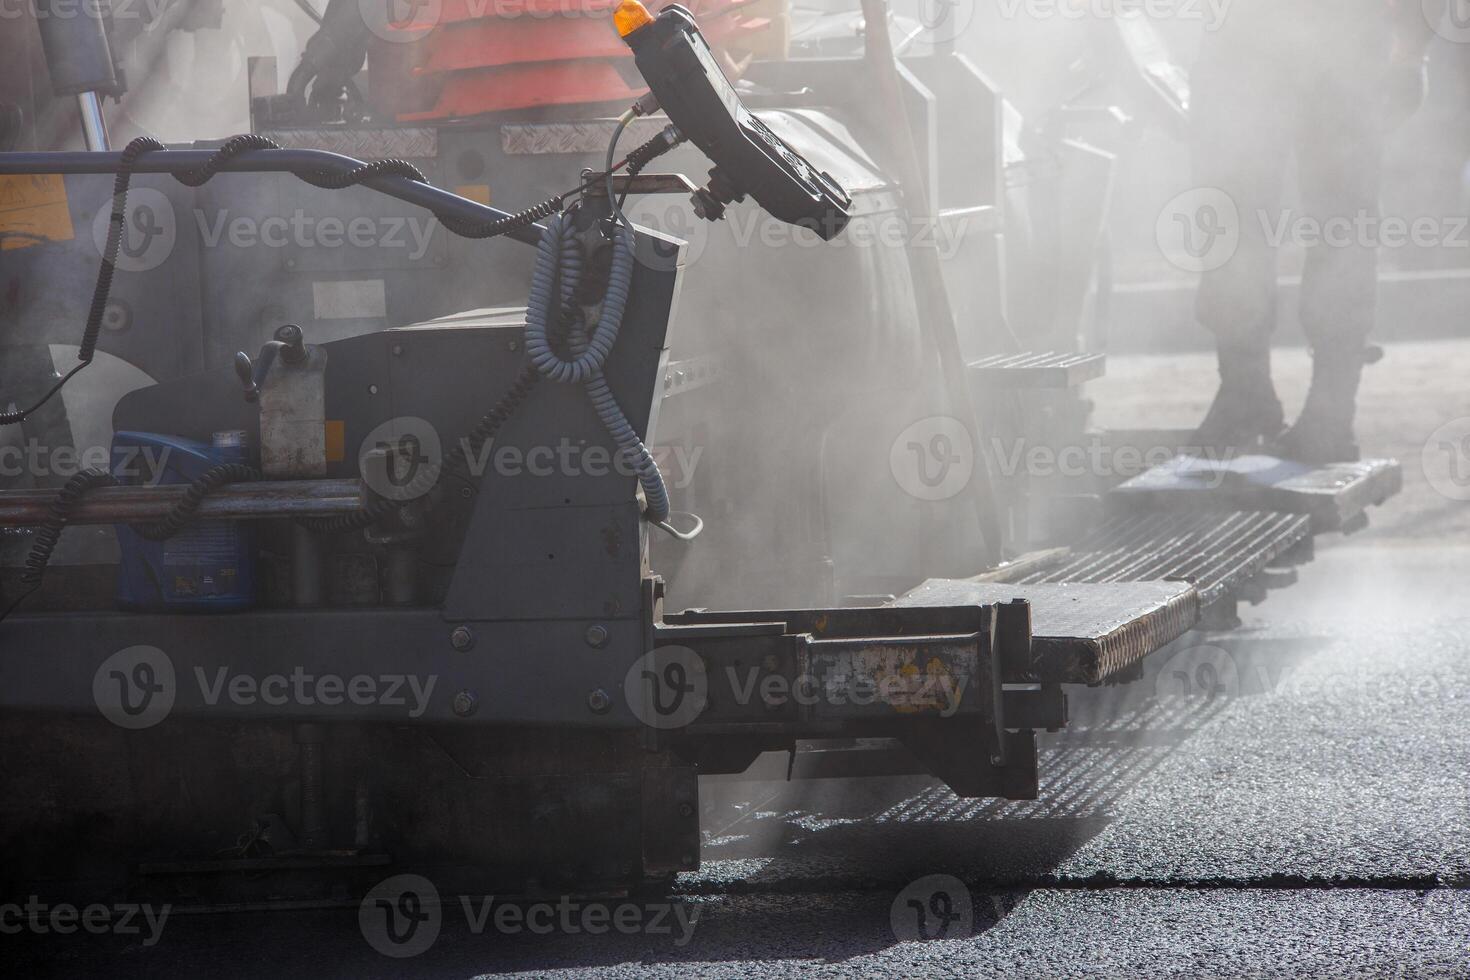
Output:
(1216, 552)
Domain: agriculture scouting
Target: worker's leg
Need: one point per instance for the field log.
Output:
(1339, 153)
(1239, 144)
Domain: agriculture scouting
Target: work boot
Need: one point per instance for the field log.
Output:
(1323, 433)
(1246, 411)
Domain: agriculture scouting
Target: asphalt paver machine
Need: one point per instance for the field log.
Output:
(395, 563)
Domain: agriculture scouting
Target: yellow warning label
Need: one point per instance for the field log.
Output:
(33, 209)
(475, 192)
(336, 440)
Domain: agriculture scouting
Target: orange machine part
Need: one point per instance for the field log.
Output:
(487, 56)
(527, 86)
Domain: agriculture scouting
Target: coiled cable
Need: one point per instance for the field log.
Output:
(103, 288)
(62, 507)
(185, 510)
(70, 496)
(236, 145)
(556, 279)
(589, 352)
(568, 266)
(231, 148)
(504, 226)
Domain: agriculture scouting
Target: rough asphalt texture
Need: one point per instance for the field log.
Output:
(1310, 818)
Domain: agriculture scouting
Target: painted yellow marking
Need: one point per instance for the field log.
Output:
(33, 208)
(336, 440)
(479, 193)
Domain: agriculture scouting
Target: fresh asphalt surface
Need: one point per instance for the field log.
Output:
(1310, 817)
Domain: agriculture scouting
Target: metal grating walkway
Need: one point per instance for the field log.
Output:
(1216, 552)
(1038, 369)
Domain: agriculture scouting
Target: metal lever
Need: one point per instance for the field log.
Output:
(708, 202)
(289, 346)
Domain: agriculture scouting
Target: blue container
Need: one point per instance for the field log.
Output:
(207, 567)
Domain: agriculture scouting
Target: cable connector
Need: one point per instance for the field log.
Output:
(645, 106)
(664, 141)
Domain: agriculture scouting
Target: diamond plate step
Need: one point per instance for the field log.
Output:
(1335, 496)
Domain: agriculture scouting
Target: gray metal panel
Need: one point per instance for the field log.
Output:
(550, 562)
(530, 673)
(594, 563)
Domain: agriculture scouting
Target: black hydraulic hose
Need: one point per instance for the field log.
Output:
(333, 54)
(329, 180)
(219, 161)
(307, 164)
(333, 175)
(298, 81)
(338, 172)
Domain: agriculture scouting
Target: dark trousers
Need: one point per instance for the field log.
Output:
(1255, 105)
